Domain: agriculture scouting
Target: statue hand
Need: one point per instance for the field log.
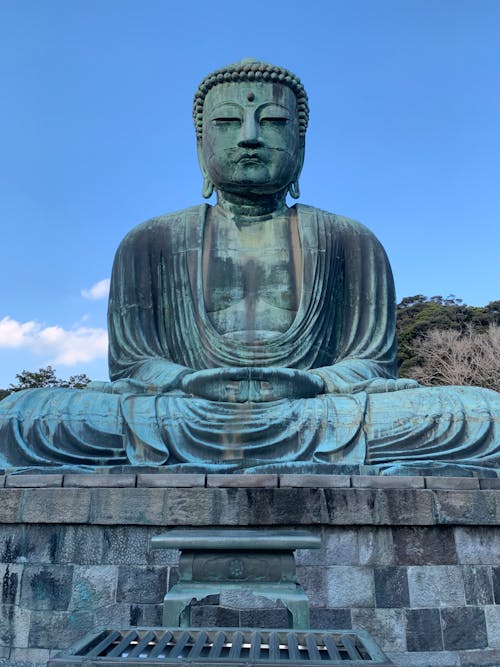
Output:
(124, 386)
(381, 385)
(276, 383)
(251, 384)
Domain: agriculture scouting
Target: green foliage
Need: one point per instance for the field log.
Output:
(417, 315)
(45, 377)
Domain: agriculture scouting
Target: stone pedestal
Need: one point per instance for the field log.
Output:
(413, 560)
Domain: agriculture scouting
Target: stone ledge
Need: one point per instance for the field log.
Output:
(389, 482)
(90, 480)
(33, 481)
(180, 480)
(249, 505)
(161, 478)
(297, 480)
(267, 481)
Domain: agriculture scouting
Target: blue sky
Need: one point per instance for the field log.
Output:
(96, 136)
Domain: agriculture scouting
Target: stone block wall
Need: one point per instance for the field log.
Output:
(415, 561)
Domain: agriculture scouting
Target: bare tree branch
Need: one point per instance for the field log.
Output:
(451, 357)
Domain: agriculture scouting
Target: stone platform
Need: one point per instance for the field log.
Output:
(415, 561)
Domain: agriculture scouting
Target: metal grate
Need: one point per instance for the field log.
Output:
(223, 647)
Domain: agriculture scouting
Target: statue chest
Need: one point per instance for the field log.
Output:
(251, 277)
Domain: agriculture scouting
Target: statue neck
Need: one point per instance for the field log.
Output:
(265, 206)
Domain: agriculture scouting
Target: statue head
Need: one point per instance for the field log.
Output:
(250, 120)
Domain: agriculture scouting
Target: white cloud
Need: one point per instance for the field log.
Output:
(15, 334)
(66, 347)
(99, 290)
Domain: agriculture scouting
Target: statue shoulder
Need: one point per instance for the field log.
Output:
(338, 224)
(169, 228)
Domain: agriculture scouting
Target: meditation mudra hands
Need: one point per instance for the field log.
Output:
(261, 384)
(252, 384)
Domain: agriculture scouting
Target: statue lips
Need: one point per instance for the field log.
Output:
(250, 158)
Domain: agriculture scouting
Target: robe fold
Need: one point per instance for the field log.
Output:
(158, 326)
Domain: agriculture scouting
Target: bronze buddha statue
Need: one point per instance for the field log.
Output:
(249, 333)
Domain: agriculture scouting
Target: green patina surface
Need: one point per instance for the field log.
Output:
(269, 539)
(260, 561)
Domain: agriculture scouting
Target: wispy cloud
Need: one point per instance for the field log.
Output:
(97, 291)
(66, 347)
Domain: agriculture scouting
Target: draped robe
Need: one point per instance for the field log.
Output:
(344, 331)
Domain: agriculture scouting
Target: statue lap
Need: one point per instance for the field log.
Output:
(441, 425)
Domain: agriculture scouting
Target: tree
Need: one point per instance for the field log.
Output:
(46, 377)
(451, 357)
(79, 381)
(417, 315)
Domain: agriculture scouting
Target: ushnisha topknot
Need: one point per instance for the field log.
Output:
(251, 70)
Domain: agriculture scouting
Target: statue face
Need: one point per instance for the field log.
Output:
(251, 141)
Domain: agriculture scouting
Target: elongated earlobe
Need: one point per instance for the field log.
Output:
(294, 190)
(208, 188)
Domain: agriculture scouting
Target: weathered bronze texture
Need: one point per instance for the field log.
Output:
(213, 561)
(251, 333)
(271, 539)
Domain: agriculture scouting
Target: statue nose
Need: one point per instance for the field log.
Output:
(250, 135)
(249, 143)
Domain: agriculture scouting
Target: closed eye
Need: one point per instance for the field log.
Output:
(226, 120)
(274, 120)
